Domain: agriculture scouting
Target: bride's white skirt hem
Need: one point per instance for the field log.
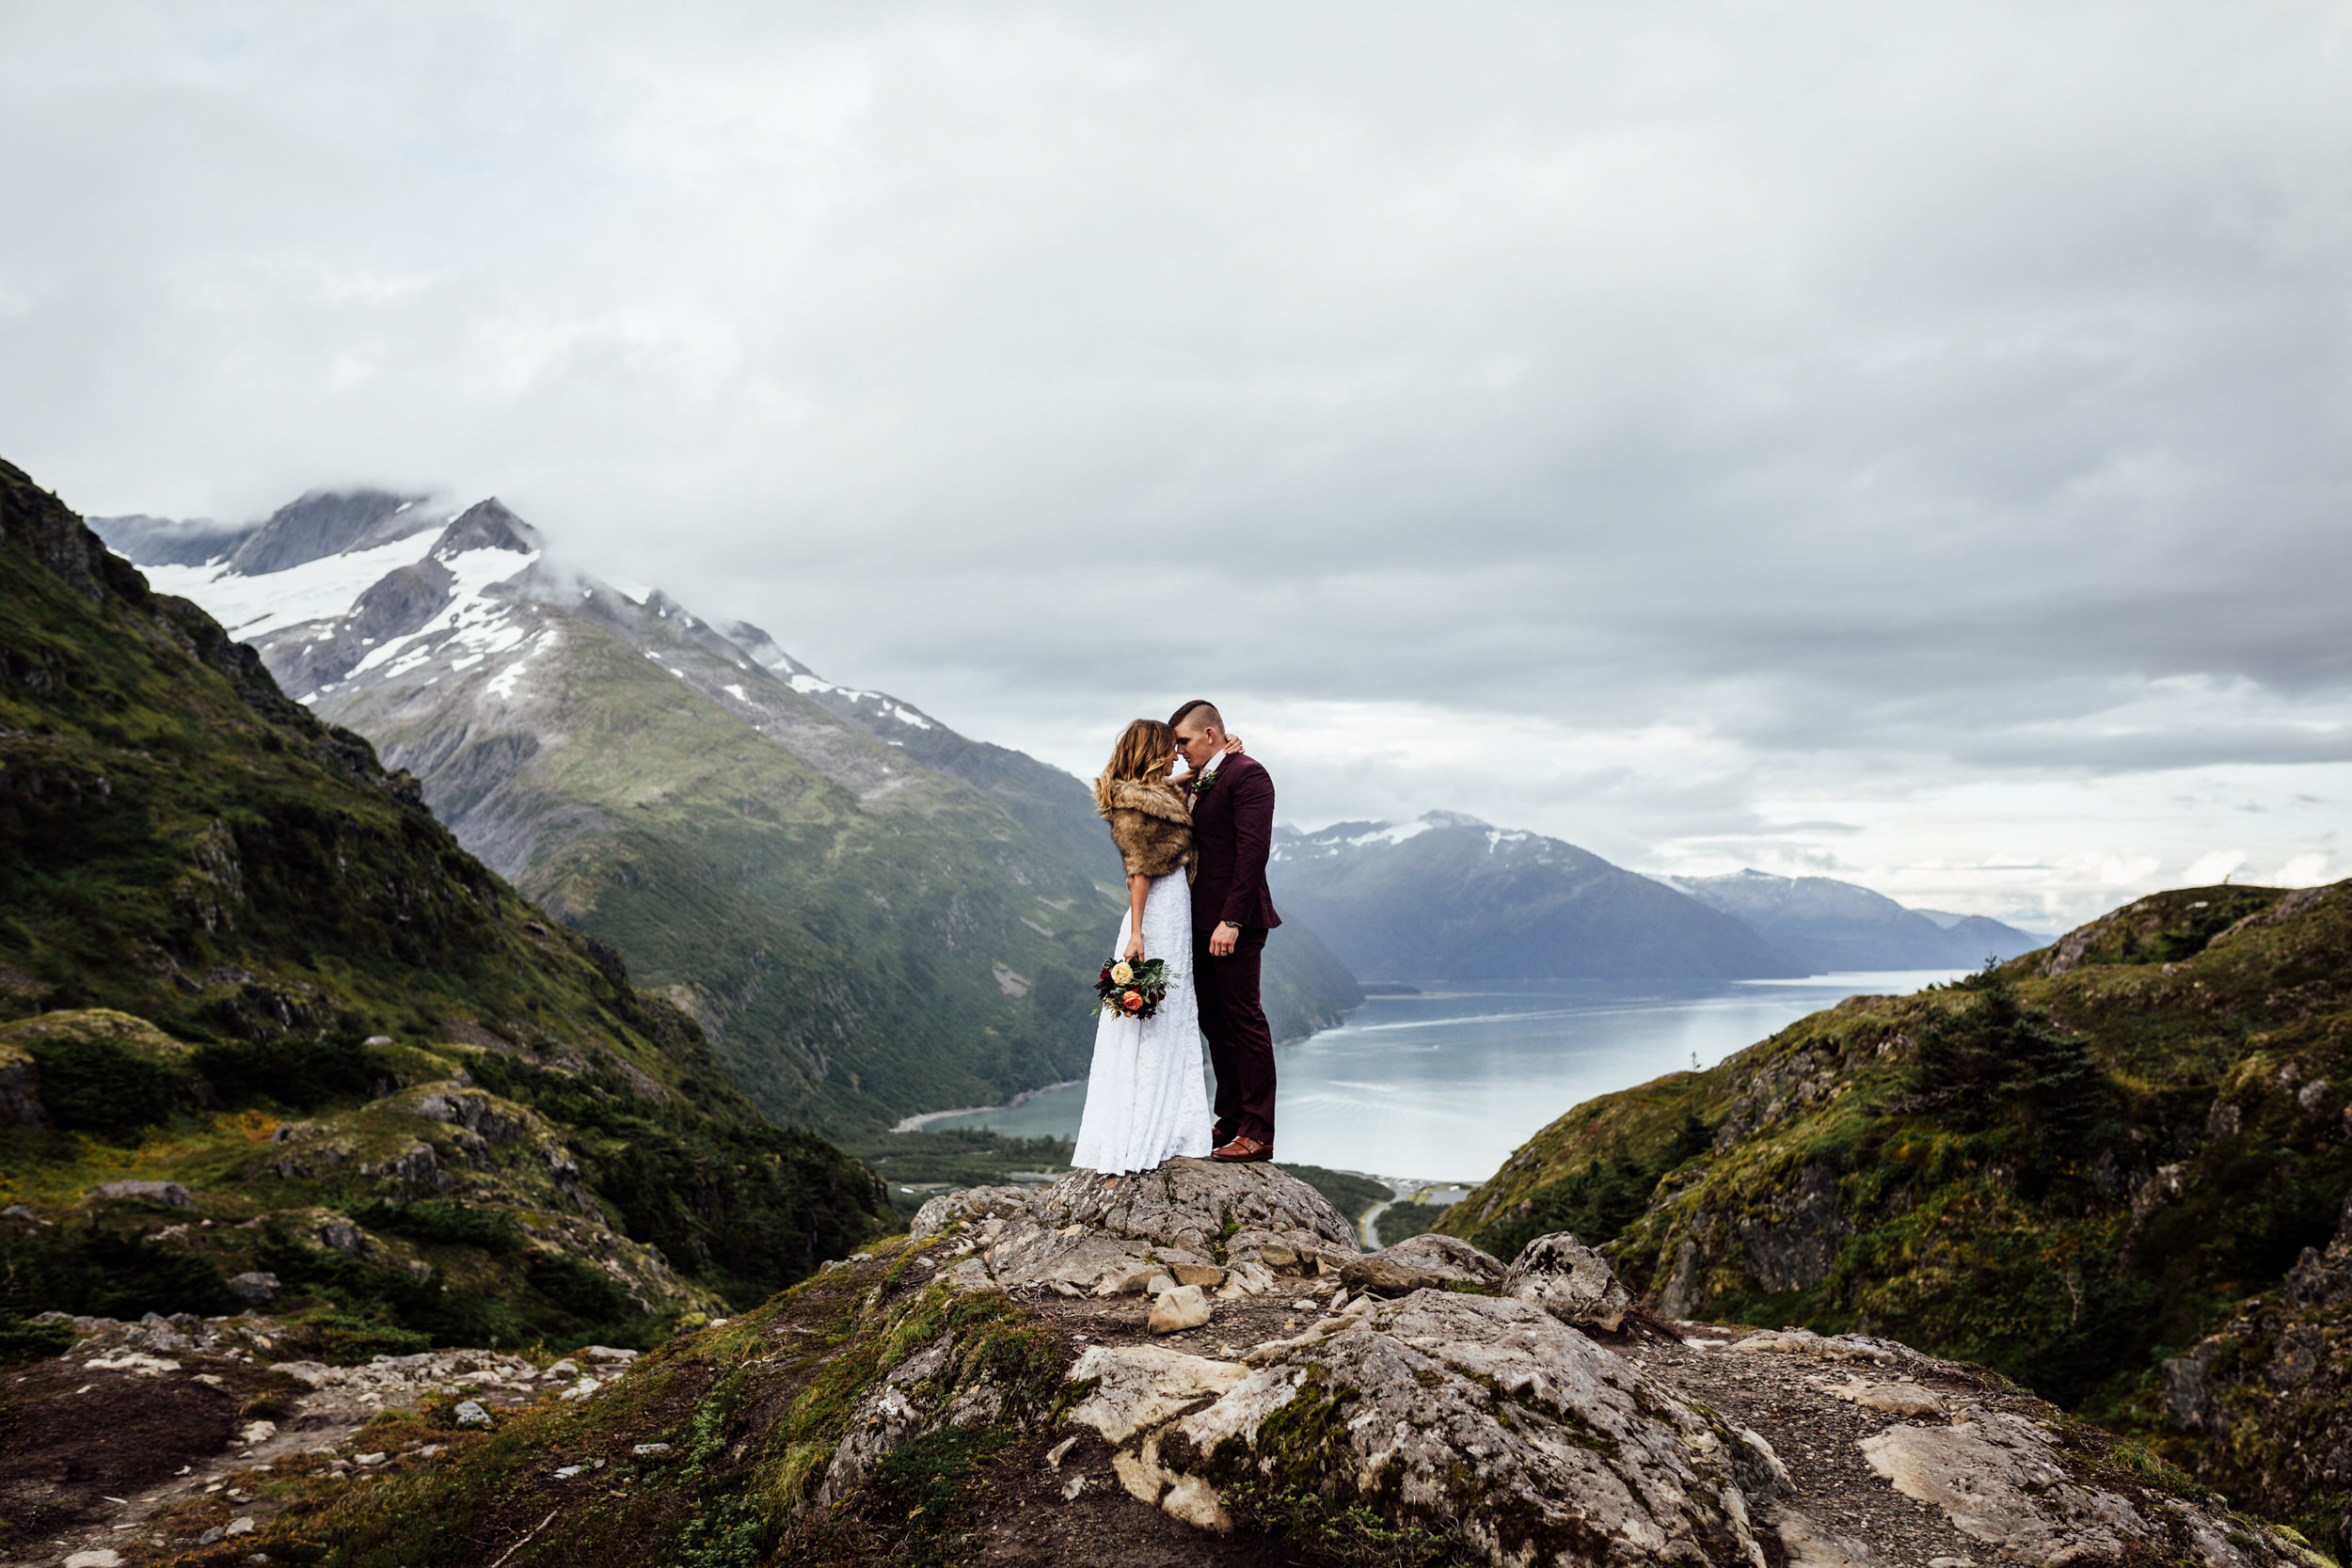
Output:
(1146, 1102)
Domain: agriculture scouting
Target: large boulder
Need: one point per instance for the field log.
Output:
(254, 1290)
(1197, 1220)
(1421, 1262)
(1486, 1415)
(1570, 1281)
(170, 1194)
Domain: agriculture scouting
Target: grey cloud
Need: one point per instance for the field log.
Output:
(1886, 394)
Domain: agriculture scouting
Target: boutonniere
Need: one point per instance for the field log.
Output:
(1200, 784)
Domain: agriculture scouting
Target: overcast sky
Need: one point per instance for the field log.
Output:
(1907, 442)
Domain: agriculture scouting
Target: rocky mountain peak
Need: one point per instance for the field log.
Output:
(487, 525)
(148, 541)
(330, 522)
(1159, 1373)
(1830, 925)
(763, 649)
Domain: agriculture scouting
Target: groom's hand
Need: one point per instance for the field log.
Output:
(1222, 940)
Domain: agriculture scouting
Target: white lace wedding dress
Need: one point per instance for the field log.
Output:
(1145, 1102)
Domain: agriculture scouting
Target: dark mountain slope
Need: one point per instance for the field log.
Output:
(1829, 924)
(1448, 897)
(251, 899)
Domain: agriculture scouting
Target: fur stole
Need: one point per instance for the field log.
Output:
(1152, 828)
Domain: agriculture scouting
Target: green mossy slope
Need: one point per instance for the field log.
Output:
(233, 918)
(713, 1449)
(2069, 1169)
(180, 842)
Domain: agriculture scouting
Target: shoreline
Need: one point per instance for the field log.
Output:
(916, 1123)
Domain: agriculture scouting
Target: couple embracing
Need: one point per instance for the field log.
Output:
(1195, 846)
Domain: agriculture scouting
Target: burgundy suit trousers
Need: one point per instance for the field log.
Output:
(1241, 1047)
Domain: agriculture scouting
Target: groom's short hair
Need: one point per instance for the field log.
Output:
(1205, 708)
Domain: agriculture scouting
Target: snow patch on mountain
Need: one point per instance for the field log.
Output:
(1389, 833)
(251, 607)
(503, 686)
(1341, 836)
(628, 588)
(809, 685)
(471, 628)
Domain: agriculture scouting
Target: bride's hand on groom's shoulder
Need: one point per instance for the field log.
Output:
(1232, 744)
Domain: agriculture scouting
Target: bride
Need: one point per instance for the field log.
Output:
(1145, 1103)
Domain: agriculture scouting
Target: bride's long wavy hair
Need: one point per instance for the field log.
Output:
(1143, 750)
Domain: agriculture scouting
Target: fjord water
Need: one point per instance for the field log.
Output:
(1445, 1086)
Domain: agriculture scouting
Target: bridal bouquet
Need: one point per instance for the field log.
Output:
(1132, 989)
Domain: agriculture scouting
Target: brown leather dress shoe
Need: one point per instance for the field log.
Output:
(1243, 1152)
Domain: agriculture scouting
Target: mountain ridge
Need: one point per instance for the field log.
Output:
(1448, 897)
(1842, 925)
(811, 869)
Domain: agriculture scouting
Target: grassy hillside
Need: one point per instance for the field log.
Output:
(238, 956)
(2071, 1167)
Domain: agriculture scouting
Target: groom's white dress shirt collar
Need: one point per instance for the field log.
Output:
(1209, 767)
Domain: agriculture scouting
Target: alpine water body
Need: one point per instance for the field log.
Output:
(1446, 1085)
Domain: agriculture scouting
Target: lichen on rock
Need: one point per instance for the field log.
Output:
(1489, 1417)
(1218, 1223)
(1569, 1280)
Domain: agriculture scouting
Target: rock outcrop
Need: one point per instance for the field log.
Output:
(1488, 1417)
(1526, 1414)
(1199, 1223)
(991, 1392)
(2263, 1407)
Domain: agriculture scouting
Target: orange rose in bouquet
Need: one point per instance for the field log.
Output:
(1132, 989)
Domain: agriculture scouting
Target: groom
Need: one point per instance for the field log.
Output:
(1232, 827)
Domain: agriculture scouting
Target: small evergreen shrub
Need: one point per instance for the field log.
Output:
(97, 1273)
(30, 1341)
(1998, 1061)
(94, 1086)
(448, 1224)
(300, 1074)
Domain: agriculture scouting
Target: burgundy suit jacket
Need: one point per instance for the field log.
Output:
(1233, 826)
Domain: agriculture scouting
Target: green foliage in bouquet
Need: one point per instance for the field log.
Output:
(1132, 989)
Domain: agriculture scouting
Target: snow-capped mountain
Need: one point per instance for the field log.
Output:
(871, 915)
(1831, 924)
(1448, 897)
